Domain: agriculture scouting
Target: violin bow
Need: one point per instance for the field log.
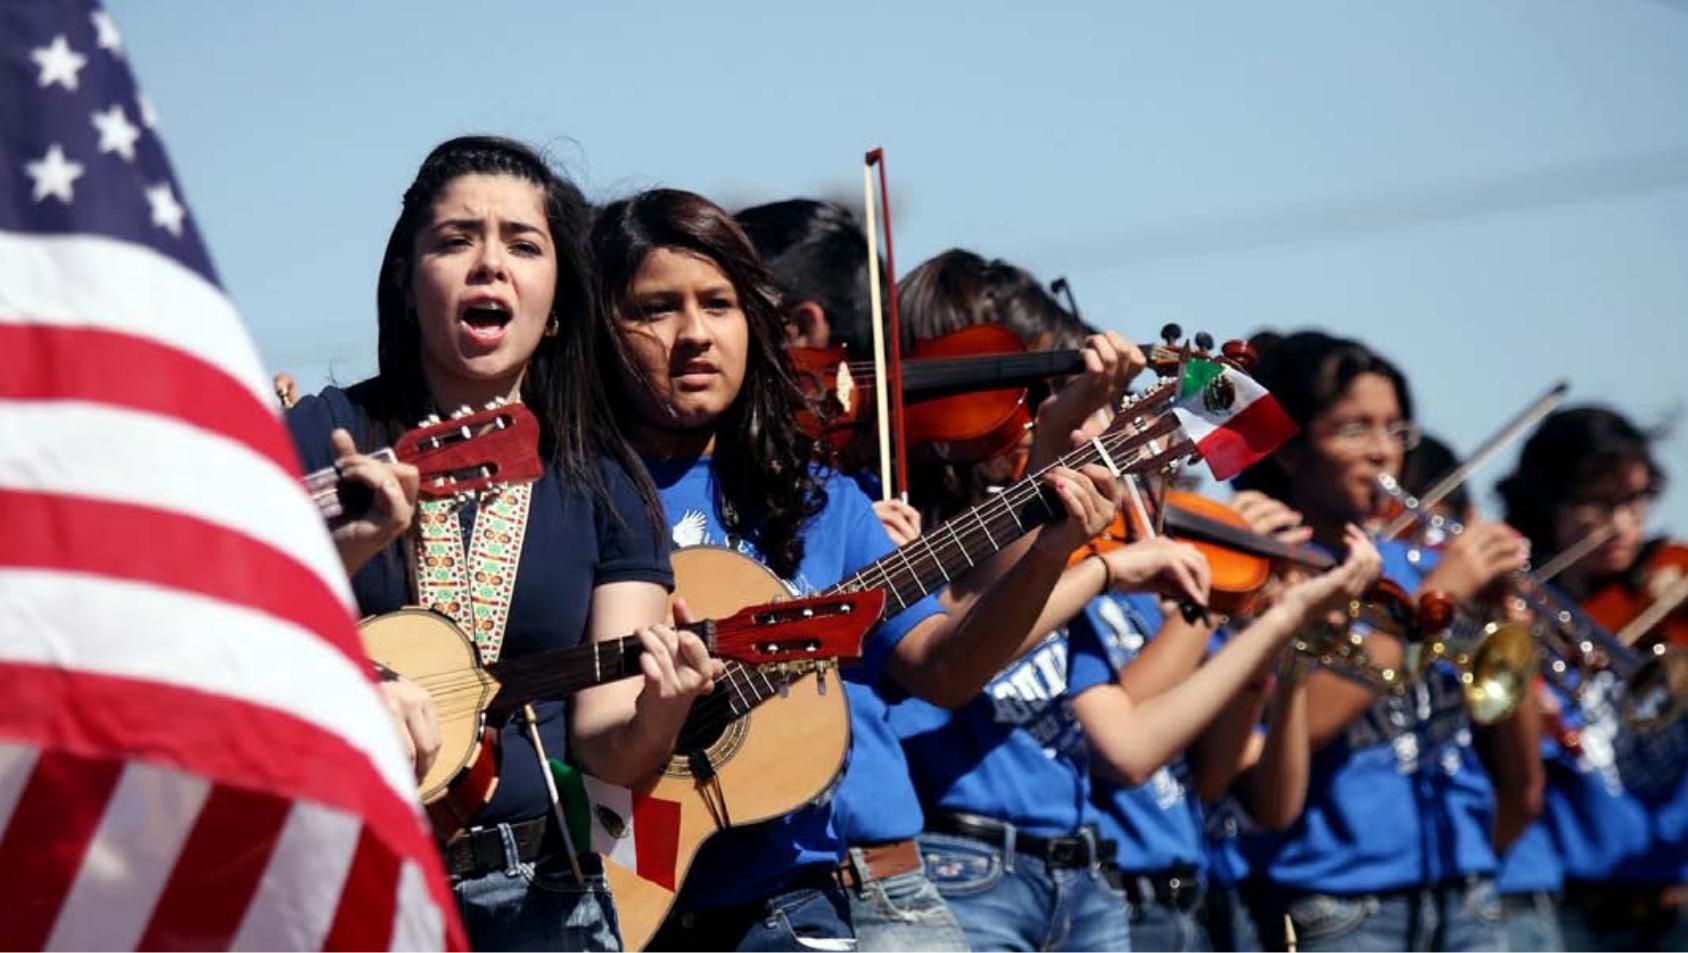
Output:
(887, 356)
(1510, 431)
(1575, 552)
(1060, 287)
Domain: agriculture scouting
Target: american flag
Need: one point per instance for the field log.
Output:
(192, 752)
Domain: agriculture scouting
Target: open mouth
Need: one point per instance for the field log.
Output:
(486, 320)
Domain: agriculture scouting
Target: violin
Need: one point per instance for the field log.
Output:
(1240, 559)
(1646, 604)
(966, 392)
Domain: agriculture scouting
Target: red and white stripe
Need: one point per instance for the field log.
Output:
(192, 752)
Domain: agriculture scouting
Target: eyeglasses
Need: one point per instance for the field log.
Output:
(1602, 505)
(1405, 433)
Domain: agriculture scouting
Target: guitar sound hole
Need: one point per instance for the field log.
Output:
(715, 733)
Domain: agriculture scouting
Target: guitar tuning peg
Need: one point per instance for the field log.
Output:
(462, 411)
(1204, 340)
(430, 420)
(1171, 332)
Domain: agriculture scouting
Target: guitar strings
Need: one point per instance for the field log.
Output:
(712, 707)
(739, 677)
(459, 690)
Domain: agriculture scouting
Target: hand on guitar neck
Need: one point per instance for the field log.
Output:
(677, 670)
(370, 499)
(390, 488)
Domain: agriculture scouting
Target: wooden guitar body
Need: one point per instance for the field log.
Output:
(419, 644)
(785, 753)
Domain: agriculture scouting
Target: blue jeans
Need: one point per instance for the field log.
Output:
(803, 918)
(1017, 902)
(902, 912)
(1532, 922)
(538, 907)
(1456, 916)
(1159, 926)
(1228, 919)
(1623, 922)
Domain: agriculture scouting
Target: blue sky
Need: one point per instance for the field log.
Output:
(1494, 194)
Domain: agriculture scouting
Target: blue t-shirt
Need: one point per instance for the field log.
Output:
(1156, 824)
(754, 862)
(1227, 834)
(1531, 863)
(1399, 799)
(1015, 752)
(573, 543)
(1230, 838)
(1594, 826)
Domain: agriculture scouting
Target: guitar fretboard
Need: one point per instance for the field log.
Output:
(558, 673)
(925, 565)
(921, 567)
(324, 485)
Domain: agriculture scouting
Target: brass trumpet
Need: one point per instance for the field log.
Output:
(1655, 682)
(1341, 647)
(1656, 692)
(1494, 659)
(1573, 646)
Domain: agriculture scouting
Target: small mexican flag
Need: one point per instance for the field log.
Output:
(1233, 421)
(637, 831)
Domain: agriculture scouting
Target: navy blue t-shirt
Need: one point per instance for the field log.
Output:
(754, 862)
(1015, 752)
(573, 544)
(1158, 823)
(1398, 800)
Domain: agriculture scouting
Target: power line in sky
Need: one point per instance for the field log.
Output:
(1347, 216)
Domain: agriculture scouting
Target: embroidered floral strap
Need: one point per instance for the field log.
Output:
(472, 585)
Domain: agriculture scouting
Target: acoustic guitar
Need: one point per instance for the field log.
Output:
(779, 739)
(473, 699)
(469, 452)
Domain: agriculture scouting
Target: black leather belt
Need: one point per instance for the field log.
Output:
(1073, 850)
(1176, 887)
(479, 851)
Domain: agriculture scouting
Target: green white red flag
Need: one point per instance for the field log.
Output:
(1232, 420)
(627, 827)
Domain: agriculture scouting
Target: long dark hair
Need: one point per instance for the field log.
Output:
(1570, 451)
(817, 251)
(959, 289)
(575, 424)
(1308, 372)
(764, 465)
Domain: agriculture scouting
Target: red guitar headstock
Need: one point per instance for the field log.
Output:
(472, 451)
(821, 627)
